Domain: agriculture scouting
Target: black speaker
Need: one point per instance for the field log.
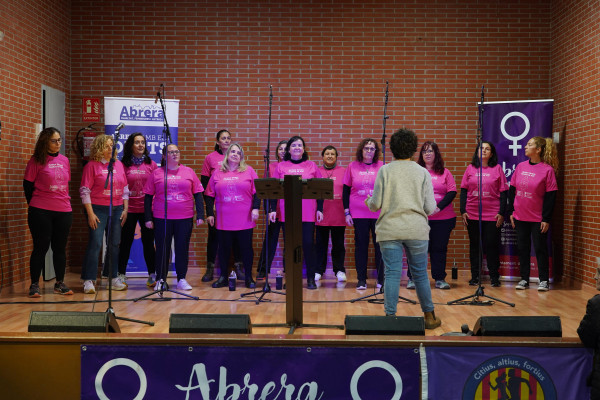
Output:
(209, 323)
(70, 321)
(518, 326)
(383, 325)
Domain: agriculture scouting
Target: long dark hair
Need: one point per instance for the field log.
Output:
(287, 156)
(217, 147)
(277, 149)
(438, 161)
(40, 152)
(128, 150)
(361, 146)
(493, 161)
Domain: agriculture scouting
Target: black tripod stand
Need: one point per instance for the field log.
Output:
(479, 293)
(110, 313)
(267, 287)
(161, 285)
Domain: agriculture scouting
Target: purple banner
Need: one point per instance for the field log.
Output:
(180, 372)
(509, 126)
(508, 373)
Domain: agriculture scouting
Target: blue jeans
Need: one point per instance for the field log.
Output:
(392, 252)
(90, 260)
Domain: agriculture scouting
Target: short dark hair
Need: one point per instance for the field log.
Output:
(330, 147)
(492, 162)
(287, 156)
(361, 146)
(403, 144)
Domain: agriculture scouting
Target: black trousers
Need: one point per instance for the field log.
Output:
(362, 228)
(271, 240)
(439, 236)
(338, 250)
(243, 239)
(491, 247)
(179, 230)
(526, 233)
(212, 247)
(48, 228)
(127, 236)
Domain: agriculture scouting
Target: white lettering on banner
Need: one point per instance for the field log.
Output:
(127, 363)
(508, 171)
(376, 364)
(515, 140)
(139, 113)
(198, 380)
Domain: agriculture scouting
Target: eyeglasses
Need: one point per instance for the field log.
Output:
(428, 151)
(369, 149)
(173, 152)
(55, 141)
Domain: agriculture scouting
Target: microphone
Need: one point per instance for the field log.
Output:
(156, 97)
(119, 127)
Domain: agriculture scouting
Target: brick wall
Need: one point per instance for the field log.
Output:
(575, 86)
(327, 61)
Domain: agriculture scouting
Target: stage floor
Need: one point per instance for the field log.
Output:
(328, 305)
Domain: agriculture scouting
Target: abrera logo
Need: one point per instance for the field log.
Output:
(141, 113)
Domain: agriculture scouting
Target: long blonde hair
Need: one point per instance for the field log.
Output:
(225, 164)
(549, 153)
(97, 148)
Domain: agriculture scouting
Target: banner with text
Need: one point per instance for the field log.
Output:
(147, 117)
(495, 373)
(181, 372)
(509, 126)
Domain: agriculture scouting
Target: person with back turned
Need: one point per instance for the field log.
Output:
(589, 333)
(404, 193)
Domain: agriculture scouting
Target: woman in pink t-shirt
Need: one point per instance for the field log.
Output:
(443, 220)
(183, 194)
(493, 205)
(96, 196)
(138, 168)
(359, 182)
(296, 163)
(274, 227)
(211, 164)
(532, 195)
(46, 186)
(334, 221)
(231, 192)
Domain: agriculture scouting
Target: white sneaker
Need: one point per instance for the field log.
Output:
(158, 285)
(183, 285)
(88, 287)
(123, 279)
(317, 276)
(543, 286)
(341, 276)
(117, 284)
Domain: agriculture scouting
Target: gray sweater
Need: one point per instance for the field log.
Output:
(404, 194)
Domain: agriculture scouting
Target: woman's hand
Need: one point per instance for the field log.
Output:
(149, 224)
(273, 216)
(123, 217)
(465, 218)
(93, 220)
(210, 220)
(512, 221)
(199, 222)
(544, 227)
(319, 216)
(499, 220)
(254, 214)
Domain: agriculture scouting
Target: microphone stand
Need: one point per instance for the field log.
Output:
(110, 313)
(479, 291)
(380, 266)
(163, 286)
(267, 287)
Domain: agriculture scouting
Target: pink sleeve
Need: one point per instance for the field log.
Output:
(87, 177)
(450, 182)
(464, 183)
(317, 171)
(503, 184)
(205, 166)
(210, 188)
(31, 170)
(551, 184)
(196, 185)
(348, 176)
(149, 186)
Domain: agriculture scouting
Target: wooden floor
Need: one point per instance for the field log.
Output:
(328, 305)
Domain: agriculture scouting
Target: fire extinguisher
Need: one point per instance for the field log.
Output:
(84, 141)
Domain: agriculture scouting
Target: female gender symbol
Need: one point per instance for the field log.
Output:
(515, 140)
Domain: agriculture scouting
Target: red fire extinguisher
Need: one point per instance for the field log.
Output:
(84, 141)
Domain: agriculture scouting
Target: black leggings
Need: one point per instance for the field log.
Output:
(180, 231)
(338, 250)
(127, 235)
(526, 233)
(362, 228)
(241, 239)
(48, 228)
(491, 247)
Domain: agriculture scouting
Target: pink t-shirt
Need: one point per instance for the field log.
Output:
(272, 170)
(212, 162)
(308, 170)
(361, 179)
(50, 182)
(137, 175)
(233, 192)
(333, 210)
(531, 183)
(182, 184)
(493, 182)
(94, 178)
(442, 184)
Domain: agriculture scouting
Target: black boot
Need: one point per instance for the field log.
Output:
(221, 282)
(210, 269)
(250, 284)
(239, 271)
(310, 283)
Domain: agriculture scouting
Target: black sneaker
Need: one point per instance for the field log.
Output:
(61, 288)
(496, 283)
(261, 275)
(474, 282)
(361, 285)
(34, 291)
